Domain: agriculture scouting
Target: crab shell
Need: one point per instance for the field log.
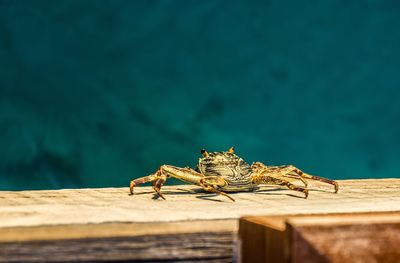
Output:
(236, 172)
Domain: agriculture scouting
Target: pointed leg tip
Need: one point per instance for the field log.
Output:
(336, 187)
(230, 198)
(224, 194)
(131, 186)
(162, 196)
(158, 192)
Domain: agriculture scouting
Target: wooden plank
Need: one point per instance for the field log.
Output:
(355, 241)
(92, 224)
(262, 240)
(185, 202)
(110, 230)
(174, 241)
(365, 237)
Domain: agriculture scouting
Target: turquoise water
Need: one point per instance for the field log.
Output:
(95, 93)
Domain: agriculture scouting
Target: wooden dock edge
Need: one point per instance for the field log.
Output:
(150, 242)
(337, 237)
(108, 224)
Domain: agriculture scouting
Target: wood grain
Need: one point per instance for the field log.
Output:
(185, 202)
(342, 237)
(346, 242)
(190, 226)
(205, 246)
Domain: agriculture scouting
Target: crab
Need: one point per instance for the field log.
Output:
(222, 172)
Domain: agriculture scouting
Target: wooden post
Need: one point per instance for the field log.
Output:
(351, 237)
(108, 224)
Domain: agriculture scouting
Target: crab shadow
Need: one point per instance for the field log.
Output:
(179, 191)
(196, 192)
(210, 197)
(276, 191)
(279, 191)
(201, 194)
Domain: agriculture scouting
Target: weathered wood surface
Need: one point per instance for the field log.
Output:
(351, 237)
(121, 242)
(347, 241)
(184, 202)
(108, 224)
(182, 241)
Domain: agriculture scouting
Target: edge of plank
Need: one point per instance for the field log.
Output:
(109, 230)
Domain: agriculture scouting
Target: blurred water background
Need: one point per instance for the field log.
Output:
(95, 93)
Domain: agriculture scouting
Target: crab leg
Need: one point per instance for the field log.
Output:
(313, 177)
(158, 184)
(142, 180)
(296, 176)
(211, 183)
(290, 171)
(266, 179)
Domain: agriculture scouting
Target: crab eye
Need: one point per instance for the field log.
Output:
(231, 150)
(204, 152)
